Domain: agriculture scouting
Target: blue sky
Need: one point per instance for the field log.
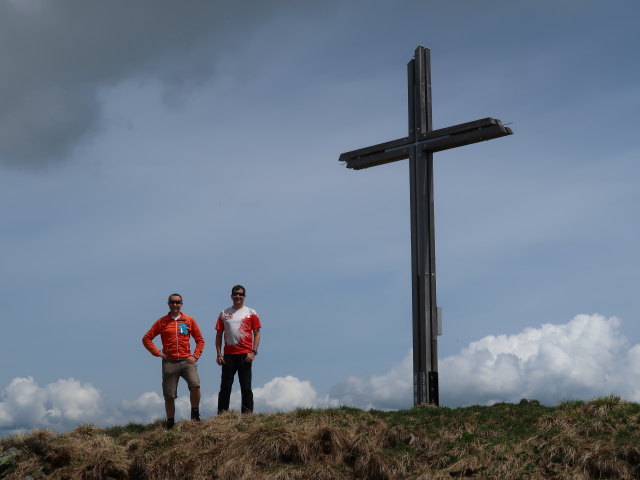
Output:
(152, 147)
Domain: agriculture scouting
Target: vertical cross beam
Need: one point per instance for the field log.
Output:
(423, 268)
(418, 147)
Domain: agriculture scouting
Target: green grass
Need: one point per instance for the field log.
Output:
(130, 428)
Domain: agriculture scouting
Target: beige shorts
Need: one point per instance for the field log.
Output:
(172, 370)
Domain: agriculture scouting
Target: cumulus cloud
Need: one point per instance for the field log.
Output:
(390, 390)
(584, 358)
(287, 393)
(59, 405)
(146, 408)
(277, 395)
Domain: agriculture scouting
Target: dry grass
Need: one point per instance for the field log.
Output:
(575, 440)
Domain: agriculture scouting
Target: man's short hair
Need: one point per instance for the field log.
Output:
(239, 287)
(175, 295)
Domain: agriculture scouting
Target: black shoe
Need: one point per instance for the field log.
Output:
(195, 414)
(170, 423)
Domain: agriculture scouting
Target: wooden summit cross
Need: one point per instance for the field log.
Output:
(418, 147)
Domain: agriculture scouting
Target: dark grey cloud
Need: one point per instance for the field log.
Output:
(58, 56)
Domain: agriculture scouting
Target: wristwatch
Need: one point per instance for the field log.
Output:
(255, 352)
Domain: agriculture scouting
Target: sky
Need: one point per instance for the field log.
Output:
(153, 147)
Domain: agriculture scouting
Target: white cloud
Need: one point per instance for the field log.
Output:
(584, 358)
(146, 408)
(393, 389)
(278, 394)
(73, 401)
(59, 405)
(285, 393)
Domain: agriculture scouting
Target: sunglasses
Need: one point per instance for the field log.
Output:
(237, 294)
(175, 302)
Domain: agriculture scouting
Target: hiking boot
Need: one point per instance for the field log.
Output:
(195, 414)
(169, 424)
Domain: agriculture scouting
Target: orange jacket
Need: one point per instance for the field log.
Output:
(175, 335)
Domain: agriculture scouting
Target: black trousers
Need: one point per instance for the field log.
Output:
(232, 364)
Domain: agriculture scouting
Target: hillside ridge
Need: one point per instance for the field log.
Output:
(577, 440)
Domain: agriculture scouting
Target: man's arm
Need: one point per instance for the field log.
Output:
(256, 339)
(147, 341)
(197, 336)
(256, 343)
(219, 356)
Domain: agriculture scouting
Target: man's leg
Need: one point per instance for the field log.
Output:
(170, 375)
(226, 381)
(170, 407)
(194, 397)
(244, 376)
(190, 374)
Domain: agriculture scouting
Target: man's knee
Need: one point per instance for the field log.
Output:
(194, 387)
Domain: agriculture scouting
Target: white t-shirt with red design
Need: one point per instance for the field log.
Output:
(238, 326)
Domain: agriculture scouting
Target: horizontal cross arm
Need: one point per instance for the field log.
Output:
(433, 141)
(464, 134)
(377, 154)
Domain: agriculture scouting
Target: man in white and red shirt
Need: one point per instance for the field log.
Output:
(241, 328)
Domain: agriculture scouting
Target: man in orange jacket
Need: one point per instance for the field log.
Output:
(175, 330)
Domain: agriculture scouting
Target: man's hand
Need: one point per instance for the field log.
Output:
(163, 356)
(191, 359)
(250, 356)
(220, 360)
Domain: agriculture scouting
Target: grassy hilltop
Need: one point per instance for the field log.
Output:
(575, 440)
